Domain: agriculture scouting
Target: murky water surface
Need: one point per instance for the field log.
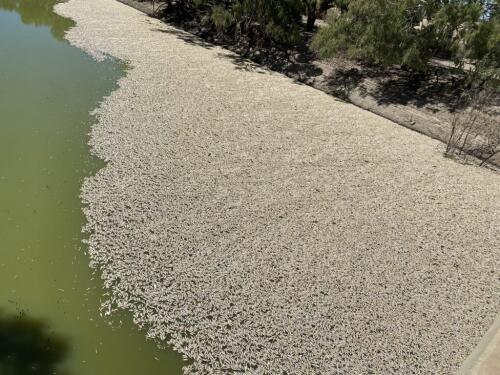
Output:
(49, 297)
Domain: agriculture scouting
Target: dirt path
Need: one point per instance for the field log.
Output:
(267, 228)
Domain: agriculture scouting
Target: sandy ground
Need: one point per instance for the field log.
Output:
(266, 228)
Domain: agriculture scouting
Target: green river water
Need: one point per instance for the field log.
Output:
(50, 321)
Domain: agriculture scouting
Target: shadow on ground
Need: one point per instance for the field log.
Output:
(437, 90)
(440, 89)
(186, 37)
(296, 62)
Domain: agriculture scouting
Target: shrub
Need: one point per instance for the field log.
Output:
(411, 32)
(473, 132)
(259, 20)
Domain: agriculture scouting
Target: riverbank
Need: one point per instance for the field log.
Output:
(263, 226)
(428, 105)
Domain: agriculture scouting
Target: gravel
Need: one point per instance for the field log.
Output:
(264, 227)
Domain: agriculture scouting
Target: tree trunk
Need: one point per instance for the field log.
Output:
(311, 20)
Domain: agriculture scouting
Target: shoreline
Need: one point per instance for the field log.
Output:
(435, 124)
(240, 210)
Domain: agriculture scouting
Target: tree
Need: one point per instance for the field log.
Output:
(261, 19)
(410, 32)
(482, 45)
(313, 8)
(257, 20)
(370, 30)
(279, 20)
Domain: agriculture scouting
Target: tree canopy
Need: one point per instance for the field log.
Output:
(277, 19)
(411, 32)
(386, 32)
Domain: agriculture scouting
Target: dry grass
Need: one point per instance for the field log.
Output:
(474, 134)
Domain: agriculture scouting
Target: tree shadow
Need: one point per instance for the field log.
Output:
(242, 63)
(187, 37)
(442, 88)
(27, 347)
(296, 62)
(439, 89)
(343, 81)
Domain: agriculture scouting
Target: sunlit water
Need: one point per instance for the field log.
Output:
(49, 297)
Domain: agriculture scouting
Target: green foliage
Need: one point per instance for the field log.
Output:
(371, 30)
(410, 32)
(385, 32)
(275, 19)
(221, 17)
(484, 47)
(260, 20)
